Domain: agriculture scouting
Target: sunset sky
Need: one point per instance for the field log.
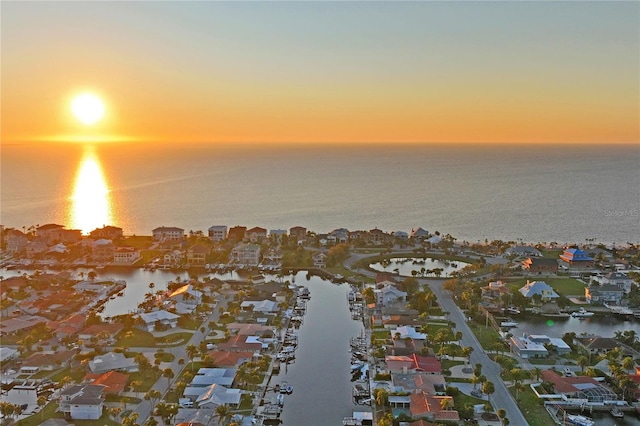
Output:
(302, 71)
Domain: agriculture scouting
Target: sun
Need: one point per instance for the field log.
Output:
(87, 108)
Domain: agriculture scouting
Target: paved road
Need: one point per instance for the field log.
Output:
(501, 398)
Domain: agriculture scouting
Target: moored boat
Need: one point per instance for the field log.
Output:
(582, 313)
(578, 420)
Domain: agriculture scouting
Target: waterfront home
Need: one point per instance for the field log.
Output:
(210, 376)
(186, 294)
(243, 344)
(114, 382)
(102, 250)
(256, 234)
(494, 291)
(276, 235)
(34, 248)
(560, 346)
(606, 293)
(405, 364)
(246, 329)
(418, 234)
(429, 407)
(264, 306)
(236, 233)
(52, 234)
(406, 331)
(217, 233)
(82, 402)
(618, 279)
(273, 257)
(319, 260)
(540, 265)
(8, 354)
(389, 295)
(173, 258)
(15, 241)
(432, 384)
(245, 254)
(391, 321)
(216, 395)
(545, 291)
(582, 388)
(526, 348)
(112, 361)
(68, 326)
(162, 317)
(576, 259)
(231, 359)
(597, 345)
(165, 233)
(384, 278)
(125, 256)
(108, 232)
(22, 394)
(197, 254)
(522, 251)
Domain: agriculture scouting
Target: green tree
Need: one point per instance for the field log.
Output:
(488, 388)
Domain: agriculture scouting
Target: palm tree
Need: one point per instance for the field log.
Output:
(446, 403)
(153, 395)
(222, 412)
(168, 373)
(42, 401)
(537, 371)
(192, 351)
(502, 413)
(488, 388)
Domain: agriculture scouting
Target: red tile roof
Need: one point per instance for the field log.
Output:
(113, 381)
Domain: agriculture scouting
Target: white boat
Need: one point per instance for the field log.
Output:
(508, 324)
(579, 420)
(617, 412)
(512, 310)
(582, 313)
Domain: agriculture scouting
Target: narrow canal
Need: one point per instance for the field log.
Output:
(320, 375)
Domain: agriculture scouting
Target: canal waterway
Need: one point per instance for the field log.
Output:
(320, 375)
(604, 326)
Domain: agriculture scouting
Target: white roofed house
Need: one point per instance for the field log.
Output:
(618, 279)
(320, 260)
(260, 305)
(112, 361)
(82, 402)
(15, 240)
(389, 295)
(125, 255)
(165, 318)
(216, 395)
(174, 257)
(419, 234)
(164, 233)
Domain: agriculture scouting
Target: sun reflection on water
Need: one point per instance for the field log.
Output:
(91, 203)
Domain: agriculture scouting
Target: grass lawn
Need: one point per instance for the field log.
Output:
(551, 253)
(531, 407)
(138, 242)
(564, 286)
(76, 374)
(380, 334)
(136, 338)
(50, 413)
(175, 339)
(188, 322)
(164, 356)
(433, 327)
(348, 273)
(486, 336)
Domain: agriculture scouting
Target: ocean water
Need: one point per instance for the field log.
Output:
(537, 193)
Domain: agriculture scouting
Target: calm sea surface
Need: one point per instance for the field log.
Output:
(536, 193)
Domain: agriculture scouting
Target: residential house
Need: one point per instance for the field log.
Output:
(526, 348)
(250, 329)
(48, 361)
(82, 402)
(273, 257)
(114, 382)
(606, 293)
(102, 251)
(187, 294)
(429, 407)
(106, 232)
(99, 331)
(408, 332)
(598, 345)
(389, 294)
(256, 234)
(34, 248)
(53, 234)
(540, 265)
(236, 233)
(379, 237)
(218, 233)
(494, 291)
(174, 258)
(557, 344)
(214, 376)
(24, 322)
(246, 254)
(401, 235)
(419, 234)
(320, 260)
(298, 233)
(618, 279)
(112, 361)
(216, 395)
(243, 344)
(165, 233)
(545, 291)
(197, 255)
(265, 306)
(230, 359)
(584, 388)
(68, 326)
(276, 235)
(432, 384)
(164, 318)
(16, 241)
(125, 256)
(576, 259)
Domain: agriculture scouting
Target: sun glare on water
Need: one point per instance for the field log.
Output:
(87, 108)
(91, 204)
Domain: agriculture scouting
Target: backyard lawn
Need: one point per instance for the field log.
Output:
(531, 407)
(563, 286)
